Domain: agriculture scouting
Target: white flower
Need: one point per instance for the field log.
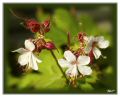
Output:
(27, 57)
(94, 43)
(74, 65)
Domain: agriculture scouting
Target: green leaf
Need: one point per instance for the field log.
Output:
(86, 87)
(87, 24)
(108, 70)
(65, 21)
(57, 36)
(93, 77)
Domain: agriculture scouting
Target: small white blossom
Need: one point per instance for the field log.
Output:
(94, 43)
(27, 57)
(75, 65)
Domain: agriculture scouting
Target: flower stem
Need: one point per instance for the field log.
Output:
(14, 14)
(68, 40)
(58, 65)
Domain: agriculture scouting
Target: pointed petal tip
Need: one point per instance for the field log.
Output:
(63, 63)
(20, 50)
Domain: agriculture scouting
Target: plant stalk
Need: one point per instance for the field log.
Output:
(58, 65)
(68, 40)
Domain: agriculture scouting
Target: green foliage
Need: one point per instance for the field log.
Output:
(65, 21)
(49, 76)
(86, 87)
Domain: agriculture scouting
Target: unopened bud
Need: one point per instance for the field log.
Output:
(46, 25)
(50, 45)
(33, 25)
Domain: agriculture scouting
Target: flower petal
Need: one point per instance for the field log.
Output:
(20, 50)
(24, 58)
(30, 60)
(63, 63)
(72, 71)
(29, 45)
(91, 39)
(34, 63)
(89, 44)
(83, 60)
(99, 38)
(85, 70)
(38, 60)
(96, 52)
(103, 44)
(70, 57)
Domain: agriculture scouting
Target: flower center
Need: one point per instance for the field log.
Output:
(74, 62)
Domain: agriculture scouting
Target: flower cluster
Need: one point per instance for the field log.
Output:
(27, 56)
(78, 61)
(35, 26)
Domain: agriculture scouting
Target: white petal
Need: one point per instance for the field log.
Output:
(99, 38)
(72, 71)
(85, 70)
(85, 38)
(34, 63)
(20, 50)
(24, 58)
(70, 57)
(63, 63)
(83, 60)
(103, 44)
(96, 52)
(29, 45)
(38, 60)
(91, 39)
(30, 60)
(89, 44)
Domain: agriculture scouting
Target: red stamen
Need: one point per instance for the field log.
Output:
(91, 55)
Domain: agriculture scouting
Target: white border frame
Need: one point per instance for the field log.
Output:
(56, 1)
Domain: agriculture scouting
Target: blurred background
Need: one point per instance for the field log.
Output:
(93, 19)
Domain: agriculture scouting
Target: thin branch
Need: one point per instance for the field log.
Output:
(68, 37)
(58, 65)
(13, 13)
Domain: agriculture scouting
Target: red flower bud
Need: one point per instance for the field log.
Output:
(33, 25)
(50, 45)
(46, 25)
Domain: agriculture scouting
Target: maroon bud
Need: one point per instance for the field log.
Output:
(50, 45)
(33, 25)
